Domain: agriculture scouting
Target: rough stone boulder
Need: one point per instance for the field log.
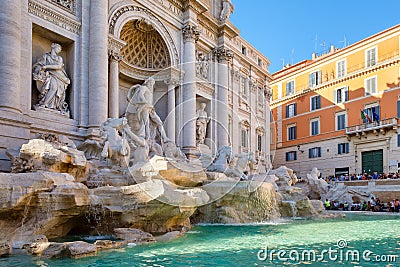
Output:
(178, 173)
(39, 154)
(143, 206)
(108, 244)
(342, 193)
(268, 178)
(184, 175)
(318, 205)
(5, 249)
(168, 236)
(55, 250)
(133, 235)
(315, 187)
(142, 172)
(301, 208)
(37, 248)
(39, 203)
(77, 249)
(175, 196)
(239, 202)
(286, 176)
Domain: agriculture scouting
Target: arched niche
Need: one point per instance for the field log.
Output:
(126, 13)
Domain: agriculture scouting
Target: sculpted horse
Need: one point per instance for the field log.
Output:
(116, 147)
(223, 157)
(244, 160)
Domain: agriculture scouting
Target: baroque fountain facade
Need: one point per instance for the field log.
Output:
(131, 116)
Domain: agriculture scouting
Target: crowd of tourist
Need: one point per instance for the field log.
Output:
(364, 176)
(373, 205)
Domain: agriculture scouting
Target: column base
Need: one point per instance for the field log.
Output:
(191, 152)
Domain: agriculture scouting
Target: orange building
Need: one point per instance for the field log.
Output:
(339, 111)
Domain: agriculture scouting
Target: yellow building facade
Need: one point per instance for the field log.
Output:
(339, 111)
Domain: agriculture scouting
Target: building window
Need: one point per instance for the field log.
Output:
(271, 116)
(260, 63)
(259, 142)
(398, 140)
(314, 126)
(292, 155)
(371, 86)
(244, 50)
(371, 57)
(291, 110)
(290, 88)
(341, 121)
(373, 114)
(245, 137)
(315, 102)
(243, 86)
(342, 95)
(291, 132)
(314, 79)
(398, 108)
(343, 148)
(341, 69)
(314, 152)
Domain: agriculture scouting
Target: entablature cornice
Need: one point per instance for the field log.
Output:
(196, 5)
(51, 15)
(350, 76)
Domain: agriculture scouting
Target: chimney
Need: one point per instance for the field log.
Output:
(313, 56)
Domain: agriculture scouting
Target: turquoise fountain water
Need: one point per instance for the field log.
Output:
(249, 245)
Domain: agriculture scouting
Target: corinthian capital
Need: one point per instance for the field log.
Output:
(223, 54)
(172, 81)
(190, 33)
(114, 55)
(267, 93)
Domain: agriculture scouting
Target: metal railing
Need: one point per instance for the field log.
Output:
(376, 125)
(363, 65)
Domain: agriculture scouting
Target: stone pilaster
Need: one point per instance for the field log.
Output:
(171, 117)
(223, 56)
(113, 92)
(268, 96)
(10, 55)
(98, 64)
(190, 36)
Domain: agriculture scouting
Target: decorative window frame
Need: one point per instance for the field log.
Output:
(337, 114)
(319, 126)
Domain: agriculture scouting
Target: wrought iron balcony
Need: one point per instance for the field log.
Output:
(381, 126)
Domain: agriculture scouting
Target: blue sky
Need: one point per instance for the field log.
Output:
(291, 30)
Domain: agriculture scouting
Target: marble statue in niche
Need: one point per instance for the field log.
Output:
(201, 124)
(202, 65)
(143, 118)
(51, 80)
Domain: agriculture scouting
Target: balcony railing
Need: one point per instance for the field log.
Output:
(377, 126)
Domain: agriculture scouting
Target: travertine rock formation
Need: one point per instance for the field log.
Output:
(316, 188)
(39, 154)
(245, 202)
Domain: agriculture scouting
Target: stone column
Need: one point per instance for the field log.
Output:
(268, 96)
(10, 55)
(190, 36)
(113, 92)
(223, 56)
(170, 122)
(98, 64)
